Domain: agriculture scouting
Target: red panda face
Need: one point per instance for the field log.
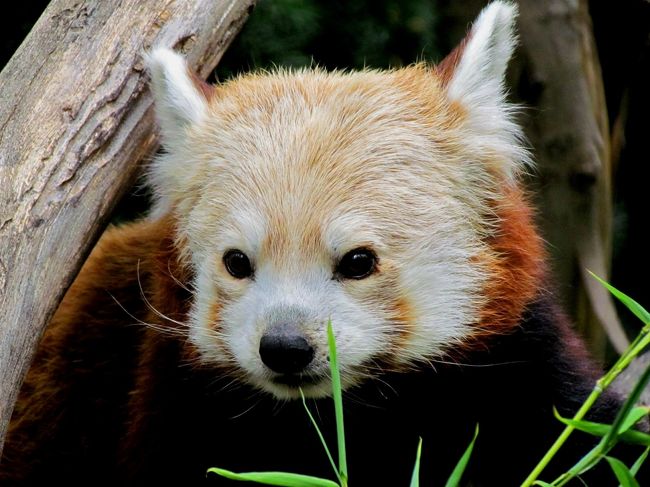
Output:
(370, 199)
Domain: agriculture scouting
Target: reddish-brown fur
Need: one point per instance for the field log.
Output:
(516, 266)
(206, 89)
(104, 301)
(445, 69)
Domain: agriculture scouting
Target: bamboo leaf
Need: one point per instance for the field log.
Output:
(636, 414)
(454, 479)
(338, 404)
(634, 469)
(630, 303)
(282, 479)
(622, 473)
(635, 437)
(586, 463)
(600, 429)
(627, 407)
(415, 478)
(596, 429)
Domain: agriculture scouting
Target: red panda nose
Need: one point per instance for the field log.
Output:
(285, 350)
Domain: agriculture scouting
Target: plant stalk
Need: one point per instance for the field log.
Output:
(637, 346)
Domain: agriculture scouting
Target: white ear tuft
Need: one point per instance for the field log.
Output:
(480, 72)
(178, 101)
(474, 75)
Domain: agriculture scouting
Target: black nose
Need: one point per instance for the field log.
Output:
(285, 351)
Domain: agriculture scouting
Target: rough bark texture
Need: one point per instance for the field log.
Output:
(560, 79)
(76, 117)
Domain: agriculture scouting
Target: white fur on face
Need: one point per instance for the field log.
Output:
(296, 169)
(435, 277)
(391, 201)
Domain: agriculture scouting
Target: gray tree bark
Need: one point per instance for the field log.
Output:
(560, 79)
(75, 120)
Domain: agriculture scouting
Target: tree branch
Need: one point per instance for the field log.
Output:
(76, 117)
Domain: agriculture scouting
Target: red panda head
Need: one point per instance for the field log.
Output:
(384, 201)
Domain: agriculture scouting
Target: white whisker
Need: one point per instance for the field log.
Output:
(177, 281)
(144, 297)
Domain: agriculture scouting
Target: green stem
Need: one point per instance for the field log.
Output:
(338, 404)
(639, 343)
(320, 435)
(563, 436)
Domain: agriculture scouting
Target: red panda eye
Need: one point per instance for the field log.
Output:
(237, 264)
(357, 264)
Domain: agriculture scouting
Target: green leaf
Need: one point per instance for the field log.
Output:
(543, 484)
(320, 435)
(338, 403)
(586, 463)
(415, 478)
(636, 414)
(631, 304)
(635, 437)
(622, 473)
(600, 429)
(628, 406)
(454, 479)
(596, 429)
(634, 469)
(275, 478)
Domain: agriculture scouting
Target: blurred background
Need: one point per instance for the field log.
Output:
(582, 74)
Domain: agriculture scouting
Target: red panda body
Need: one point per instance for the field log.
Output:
(111, 402)
(387, 202)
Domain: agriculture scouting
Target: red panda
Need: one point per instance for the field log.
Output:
(387, 202)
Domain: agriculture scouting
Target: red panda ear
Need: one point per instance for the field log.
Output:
(476, 69)
(180, 97)
(473, 75)
(181, 101)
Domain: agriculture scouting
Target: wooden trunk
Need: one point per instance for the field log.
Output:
(76, 119)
